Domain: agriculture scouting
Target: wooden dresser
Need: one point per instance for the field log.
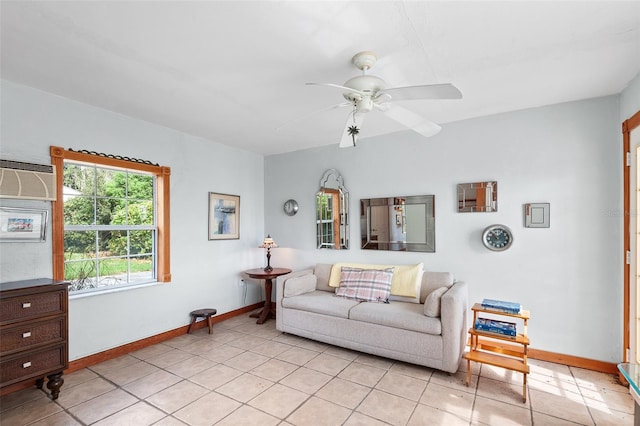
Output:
(34, 332)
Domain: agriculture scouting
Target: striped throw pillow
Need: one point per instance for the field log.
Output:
(368, 285)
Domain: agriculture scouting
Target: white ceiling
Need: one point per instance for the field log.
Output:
(234, 72)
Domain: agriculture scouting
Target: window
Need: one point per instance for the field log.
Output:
(326, 221)
(110, 221)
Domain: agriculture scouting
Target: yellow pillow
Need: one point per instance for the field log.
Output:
(405, 282)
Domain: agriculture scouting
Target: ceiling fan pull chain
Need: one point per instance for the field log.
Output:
(353, 130)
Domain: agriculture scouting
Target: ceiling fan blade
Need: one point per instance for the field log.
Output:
(348, 89)
(431, 91)
(412, 120)
(295, 120)
(355, 120)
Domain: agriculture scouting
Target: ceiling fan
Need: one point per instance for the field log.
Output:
(366, 92)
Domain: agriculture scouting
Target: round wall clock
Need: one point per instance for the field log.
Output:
(497, 237)
(290, 207)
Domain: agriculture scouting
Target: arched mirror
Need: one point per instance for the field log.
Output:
(332, 212)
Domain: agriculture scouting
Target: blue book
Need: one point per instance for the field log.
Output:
(502, 306)
(502, 328)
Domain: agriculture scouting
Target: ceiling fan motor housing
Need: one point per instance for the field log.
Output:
(367, 84)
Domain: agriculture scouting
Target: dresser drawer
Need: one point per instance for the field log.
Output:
(30, 306)
(34, 333)
(31, 364)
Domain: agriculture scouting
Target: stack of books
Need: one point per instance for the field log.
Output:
(501, 306)
(503, 328)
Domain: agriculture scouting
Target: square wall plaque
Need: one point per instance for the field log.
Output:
(536, 215)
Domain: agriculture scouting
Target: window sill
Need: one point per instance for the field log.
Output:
(82, 295)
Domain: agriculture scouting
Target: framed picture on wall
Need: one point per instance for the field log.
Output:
(26, 225)
(224, 216)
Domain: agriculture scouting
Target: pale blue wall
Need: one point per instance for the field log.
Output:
(205, 273)
(630, 99)
(569, 275)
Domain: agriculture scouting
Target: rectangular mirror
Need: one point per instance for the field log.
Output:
(398, 223)
(478, 197)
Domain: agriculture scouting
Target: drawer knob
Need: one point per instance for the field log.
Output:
(26, 334)
(26, 305)
(26, 364)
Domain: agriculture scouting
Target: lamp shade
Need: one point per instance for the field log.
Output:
(268, 243)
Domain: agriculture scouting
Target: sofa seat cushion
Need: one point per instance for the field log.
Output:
(322, 302)
(403, 315)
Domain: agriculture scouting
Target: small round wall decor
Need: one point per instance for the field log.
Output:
(290, 207)
(497, 237)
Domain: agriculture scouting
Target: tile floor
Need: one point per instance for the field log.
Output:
(246, 374)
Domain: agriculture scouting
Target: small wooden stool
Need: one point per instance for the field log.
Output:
(202, 313)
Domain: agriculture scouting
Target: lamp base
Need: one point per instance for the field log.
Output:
(268, 268)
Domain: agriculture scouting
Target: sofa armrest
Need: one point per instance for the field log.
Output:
(280, 282)
(453, 314)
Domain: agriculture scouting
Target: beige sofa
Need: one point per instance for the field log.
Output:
(401, 329)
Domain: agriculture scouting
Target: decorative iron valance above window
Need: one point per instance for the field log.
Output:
(115, 157)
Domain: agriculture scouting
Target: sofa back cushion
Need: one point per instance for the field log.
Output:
(432, 281)
(322, 272)
(300, 285)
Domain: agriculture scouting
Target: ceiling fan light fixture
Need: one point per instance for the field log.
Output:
(365, 104)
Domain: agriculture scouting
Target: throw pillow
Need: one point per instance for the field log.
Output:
(411, 276)
(432, 303)
(369, 285)
(406, 278)
(300, 285)
(336, 270)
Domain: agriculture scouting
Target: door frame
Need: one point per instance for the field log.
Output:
(627, 127)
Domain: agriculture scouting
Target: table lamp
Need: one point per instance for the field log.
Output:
(268, 243)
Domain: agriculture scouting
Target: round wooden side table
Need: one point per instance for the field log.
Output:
(269, 310)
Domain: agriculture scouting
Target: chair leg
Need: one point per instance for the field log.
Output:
(193, 321)
(210, 323)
